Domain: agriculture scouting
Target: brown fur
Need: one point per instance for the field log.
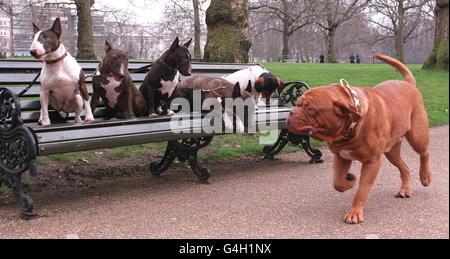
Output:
(389, 112)
(82, 86)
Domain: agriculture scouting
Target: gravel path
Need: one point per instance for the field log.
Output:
(287, 198)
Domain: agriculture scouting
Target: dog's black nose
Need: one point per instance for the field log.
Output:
(33, 53)
(121, 76)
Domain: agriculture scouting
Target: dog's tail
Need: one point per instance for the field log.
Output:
(407, 75)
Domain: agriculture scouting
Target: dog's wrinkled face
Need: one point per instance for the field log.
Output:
(180, 57)
(46, 42)
(322, 113)
(115, 63)
(267, 84)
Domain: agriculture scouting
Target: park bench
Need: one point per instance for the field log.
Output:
(22, 139)
(290, 61)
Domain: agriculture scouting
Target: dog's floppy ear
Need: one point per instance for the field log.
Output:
(56, 28)
(175, 44)
(237, 91)
(249, 86)
(36, 28)
(344, 109)
(259, 84)
(108, 46)
(187, 44)
(279, 81)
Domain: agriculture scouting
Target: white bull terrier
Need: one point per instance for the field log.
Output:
(62, 79)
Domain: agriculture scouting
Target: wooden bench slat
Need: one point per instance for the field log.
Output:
(108, 134)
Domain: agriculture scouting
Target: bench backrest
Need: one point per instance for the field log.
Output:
(16, 75)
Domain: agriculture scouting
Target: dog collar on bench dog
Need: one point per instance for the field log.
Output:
(352, 125)
(51, 62)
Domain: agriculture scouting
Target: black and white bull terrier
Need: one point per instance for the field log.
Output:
(113, 83)
(164, 76)
(62, 79)
(263, 83)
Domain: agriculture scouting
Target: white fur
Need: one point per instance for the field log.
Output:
(37, 46)
(346, 154)
(244, 76)
(227, 120)
(62, 80)
(169, 86)
(111, 94)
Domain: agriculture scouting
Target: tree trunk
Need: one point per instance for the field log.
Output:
(331, 48)
(228, 33)
(11, 31)
(85, 33)
(439, 57)
(399, 40)
(198, 30)
(286, 51)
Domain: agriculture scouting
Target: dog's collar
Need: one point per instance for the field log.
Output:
(165, 64)
(214, 91)
(51, 62)
(353, 92)
(352, 124)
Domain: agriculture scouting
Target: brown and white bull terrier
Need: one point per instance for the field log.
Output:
(263, 83)
(62, 79)
(113, 83)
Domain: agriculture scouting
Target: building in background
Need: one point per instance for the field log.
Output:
(43, 15)
(5, 29)
(140, 41)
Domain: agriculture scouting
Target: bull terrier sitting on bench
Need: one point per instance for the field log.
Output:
(113, 83)
(62, 79)
(163, 78)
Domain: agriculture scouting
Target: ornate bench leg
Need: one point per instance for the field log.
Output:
(201, 173)
(185, 150)
(14, 182)
(18, 149)
(285, 138)
(315, 154)
(271, 151)
(157, 168)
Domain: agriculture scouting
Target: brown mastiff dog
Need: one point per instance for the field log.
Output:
(363, 124)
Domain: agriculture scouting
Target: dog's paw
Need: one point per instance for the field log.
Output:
(89, 119)
(354, 216)
(63, 115)
(346, 184)
(153, 115)
(403, 193)
(426, 179)
(170, 113)
(44, 122)
(240, 128)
